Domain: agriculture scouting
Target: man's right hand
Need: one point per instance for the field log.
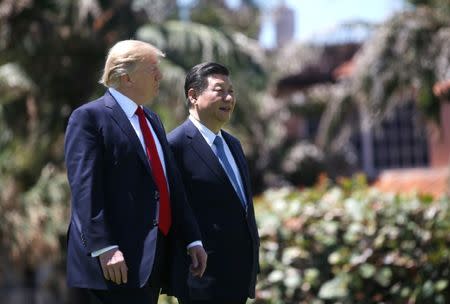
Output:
(114, 266)
(198, 259)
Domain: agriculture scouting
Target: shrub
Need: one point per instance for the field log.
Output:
(349, 243)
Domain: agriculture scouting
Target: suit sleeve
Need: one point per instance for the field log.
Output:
(185, 225)
(84, 162)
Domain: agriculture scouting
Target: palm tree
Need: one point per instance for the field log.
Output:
(403, 59)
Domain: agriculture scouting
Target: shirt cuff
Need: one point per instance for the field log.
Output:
(196, 243)
(101, 251)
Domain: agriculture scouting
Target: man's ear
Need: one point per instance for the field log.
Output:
(125, 80)
(192, 96)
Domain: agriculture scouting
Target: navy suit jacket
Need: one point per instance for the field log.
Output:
(229, 235)
(114, 196)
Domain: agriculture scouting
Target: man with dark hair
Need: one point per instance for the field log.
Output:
(128, 199)
(216, 178)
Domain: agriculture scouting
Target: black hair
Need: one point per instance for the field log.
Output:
(197, 77)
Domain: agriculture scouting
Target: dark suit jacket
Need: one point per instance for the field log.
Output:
(229, 235)
(114, 196)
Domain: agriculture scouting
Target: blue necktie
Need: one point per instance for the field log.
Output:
(218, 142)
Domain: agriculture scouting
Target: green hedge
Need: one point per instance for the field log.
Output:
(352, 244)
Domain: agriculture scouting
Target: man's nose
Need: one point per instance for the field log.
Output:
(229, 97)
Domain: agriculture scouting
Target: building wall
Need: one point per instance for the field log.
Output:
(439, 139)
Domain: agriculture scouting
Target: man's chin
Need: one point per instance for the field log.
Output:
(224, 121)
(225, 117)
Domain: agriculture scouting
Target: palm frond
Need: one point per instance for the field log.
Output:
(294, 57)
(441, 53)
(250, 47)
(170, 103)
(153, 34)
(172, 82)
(188, 38)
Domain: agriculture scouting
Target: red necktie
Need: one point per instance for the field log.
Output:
(158, 174)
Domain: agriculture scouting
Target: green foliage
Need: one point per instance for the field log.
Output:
(349, 243)
(207, 14)
(303, 163)
(441, 5)
(34, 221)
(426, 100)
(51, 54)
(244, 19)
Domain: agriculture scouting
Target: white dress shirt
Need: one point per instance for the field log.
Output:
(130, 107)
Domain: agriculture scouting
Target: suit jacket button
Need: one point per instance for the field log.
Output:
(156, 195)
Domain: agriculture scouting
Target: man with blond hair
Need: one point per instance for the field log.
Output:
(127, 196)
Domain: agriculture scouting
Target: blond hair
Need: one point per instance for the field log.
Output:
(123, 58)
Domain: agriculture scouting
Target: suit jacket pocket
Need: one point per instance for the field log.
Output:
(200, 288)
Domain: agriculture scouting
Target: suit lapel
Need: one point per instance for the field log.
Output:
(204, 151)
(122, 120)
(240, 162)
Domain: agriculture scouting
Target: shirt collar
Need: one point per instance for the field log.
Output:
(127, 105)
(206, 133)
